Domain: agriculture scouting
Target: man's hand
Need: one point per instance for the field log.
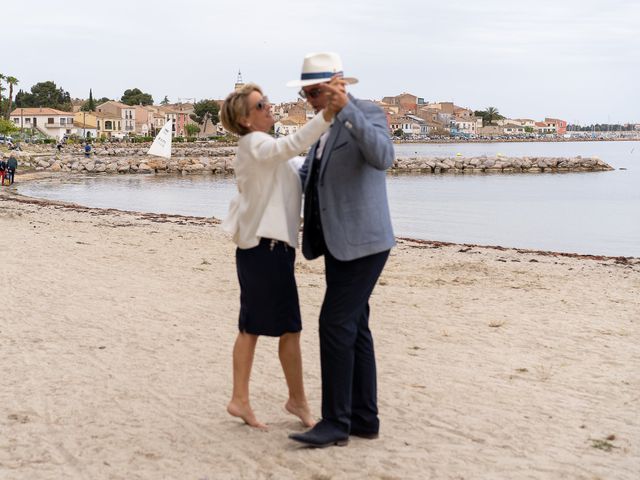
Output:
(336, 93)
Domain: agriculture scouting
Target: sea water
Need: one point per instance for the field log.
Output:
(583, 212)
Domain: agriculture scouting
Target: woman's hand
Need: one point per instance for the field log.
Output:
(336, 93)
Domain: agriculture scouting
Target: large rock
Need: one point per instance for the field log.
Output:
(195, 168)
(144, 168)
(157, 164)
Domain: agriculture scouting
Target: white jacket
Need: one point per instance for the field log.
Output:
(269, 196)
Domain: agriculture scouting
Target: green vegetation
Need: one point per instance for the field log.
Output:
(489, 115)
(205, 111)
(89, 105)
(135, 96)
(141, 139)
(7, 127)
(11, 81)
(44, 94)
(192, 129)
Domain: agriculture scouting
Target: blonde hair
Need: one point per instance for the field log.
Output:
(236, 107)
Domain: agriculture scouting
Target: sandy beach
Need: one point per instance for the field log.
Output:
(116, 341)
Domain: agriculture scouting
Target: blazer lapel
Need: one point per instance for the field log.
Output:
(333, 135)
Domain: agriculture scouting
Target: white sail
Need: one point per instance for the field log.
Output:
(161, 146)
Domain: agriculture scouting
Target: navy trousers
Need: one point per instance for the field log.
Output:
(349, 390)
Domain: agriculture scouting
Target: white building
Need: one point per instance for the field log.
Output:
(513, 129)
(466, 125)
(287, 126)
(49, 121)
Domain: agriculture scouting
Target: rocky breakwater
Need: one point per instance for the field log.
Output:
(220, 161)
(132, 160)
(498, 164)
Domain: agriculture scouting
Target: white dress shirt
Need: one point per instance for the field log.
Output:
(269, 196)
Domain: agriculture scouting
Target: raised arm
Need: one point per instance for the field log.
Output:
(265, 148)
(367, 124)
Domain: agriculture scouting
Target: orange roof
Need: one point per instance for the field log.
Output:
(38, 111)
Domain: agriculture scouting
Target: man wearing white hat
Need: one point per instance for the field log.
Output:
(346, 220)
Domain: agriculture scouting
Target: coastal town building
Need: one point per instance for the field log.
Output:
(127, 114)
(463, 113)
(447, 108)
(108, 125)
(288, 126)
(406, 103)
(513, 129)
(542, 128)
(387, 107)
(559, 126)
(179, 113)
(48, 121)
(85, 131)
(239, 83)
(490, 131)
(410, 125)
(144, 119)
(523, 122)
(464, 126)
(86, 122)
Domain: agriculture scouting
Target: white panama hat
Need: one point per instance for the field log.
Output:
(319, 68)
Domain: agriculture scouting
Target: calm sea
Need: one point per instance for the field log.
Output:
(593, 213)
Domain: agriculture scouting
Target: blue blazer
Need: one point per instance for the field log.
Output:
(352, 189)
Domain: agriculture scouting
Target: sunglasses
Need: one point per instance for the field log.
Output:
(262, 104)
(314, 93)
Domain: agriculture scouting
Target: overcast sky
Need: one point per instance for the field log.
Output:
(578, 59)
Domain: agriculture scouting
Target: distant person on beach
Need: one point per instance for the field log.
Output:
(3, 169)
(87, 150)
(346, 220)
(12, 165)
(59, 146)
(264, 219)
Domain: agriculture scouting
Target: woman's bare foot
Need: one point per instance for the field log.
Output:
(300, 410)
(244, 411)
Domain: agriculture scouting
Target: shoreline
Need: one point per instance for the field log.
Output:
(35, 176)
(519, 140)
(492, 363)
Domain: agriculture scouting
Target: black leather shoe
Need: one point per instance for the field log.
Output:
(321, 436)
(364, 434)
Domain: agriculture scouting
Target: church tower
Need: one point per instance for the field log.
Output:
(239, 83)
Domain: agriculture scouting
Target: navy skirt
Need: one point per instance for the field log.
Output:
(268, 292)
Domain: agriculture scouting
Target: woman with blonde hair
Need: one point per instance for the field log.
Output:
(264, 219)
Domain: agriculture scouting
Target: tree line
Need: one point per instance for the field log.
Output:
(48, 95)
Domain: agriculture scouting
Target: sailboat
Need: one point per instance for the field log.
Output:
(161, 146)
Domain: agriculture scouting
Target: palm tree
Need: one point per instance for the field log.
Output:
(11, 81)
(2, 77)
(490, 114)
